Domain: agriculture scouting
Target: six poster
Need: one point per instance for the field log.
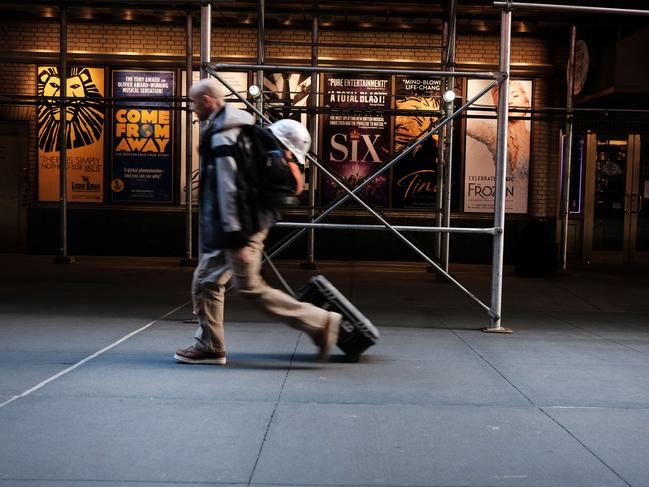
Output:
(356, 145)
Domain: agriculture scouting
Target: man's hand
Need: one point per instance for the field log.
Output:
(242, 255)
(297, 174)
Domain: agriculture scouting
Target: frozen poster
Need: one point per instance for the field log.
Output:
(480, 155)
(356, 145)
(414, 181)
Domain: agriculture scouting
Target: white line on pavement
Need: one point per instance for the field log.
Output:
(90, 357)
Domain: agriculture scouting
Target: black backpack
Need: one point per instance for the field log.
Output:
(263, 174)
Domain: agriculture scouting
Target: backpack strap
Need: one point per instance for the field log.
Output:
(224, 151)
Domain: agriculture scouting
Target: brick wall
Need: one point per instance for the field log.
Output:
(232, 44)
(20, 79)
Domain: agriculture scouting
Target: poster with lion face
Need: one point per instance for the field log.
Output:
(84, 134)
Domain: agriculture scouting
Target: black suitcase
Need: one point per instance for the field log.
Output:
(357, 333)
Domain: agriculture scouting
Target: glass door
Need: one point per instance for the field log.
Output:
(639, 202)
(616, 211)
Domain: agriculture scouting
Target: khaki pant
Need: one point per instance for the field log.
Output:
(208, 291)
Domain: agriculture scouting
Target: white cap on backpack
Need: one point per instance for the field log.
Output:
(294, 136)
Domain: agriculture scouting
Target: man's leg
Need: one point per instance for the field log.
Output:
(321, 325)
(208, 292)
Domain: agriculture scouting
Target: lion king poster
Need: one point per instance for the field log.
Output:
(84, 134)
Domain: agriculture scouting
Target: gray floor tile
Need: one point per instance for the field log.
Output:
(620, 437)
(401, 445)
(92, 439)
(604, 385)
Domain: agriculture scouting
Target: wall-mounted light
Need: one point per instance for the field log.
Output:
(254, 91)
(449, 96)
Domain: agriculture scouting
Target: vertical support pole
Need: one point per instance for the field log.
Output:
(206, 36)
(312, 174)
(567, 152)
(206, 57)
(63, 257)
(189, 70)
(439, 200)
(261, 49)
(501, 173)
(446, 237)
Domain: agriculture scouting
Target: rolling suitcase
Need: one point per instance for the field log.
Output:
(357, 333)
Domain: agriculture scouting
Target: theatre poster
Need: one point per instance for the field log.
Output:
(414, 180)
(84, 134)
(142, 138)
(356, 144)
(239, 82)
(480, 149)
(285, 93)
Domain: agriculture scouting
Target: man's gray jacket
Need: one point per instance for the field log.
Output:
(222, 225)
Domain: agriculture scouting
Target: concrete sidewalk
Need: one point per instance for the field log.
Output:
(90, 394)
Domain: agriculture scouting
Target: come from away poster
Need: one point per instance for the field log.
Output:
(142, 138)
(356, 142)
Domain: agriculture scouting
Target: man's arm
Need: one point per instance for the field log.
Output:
(297, 174)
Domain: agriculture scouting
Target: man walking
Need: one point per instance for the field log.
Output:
(228, 247)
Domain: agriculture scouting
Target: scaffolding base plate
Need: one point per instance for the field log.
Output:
(497, 330)
(64, 259)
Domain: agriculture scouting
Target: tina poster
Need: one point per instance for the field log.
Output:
(84, 134)
(415, 177)
(142, 138)
(356, 145)
(480, 155)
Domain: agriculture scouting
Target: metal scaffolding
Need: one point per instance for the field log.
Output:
(498, 79)
(443, 227)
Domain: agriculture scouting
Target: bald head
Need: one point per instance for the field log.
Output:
(209, 87)
(207, 97)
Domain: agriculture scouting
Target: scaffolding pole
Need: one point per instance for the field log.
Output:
(330, 69)
(448, 153)
(312, 171)
(206, 36)
(188, 144)
(63, 257)
(439, 173)
(401, 228)
(501, 173)
(261, 50)
(571, 8)
(567, 152)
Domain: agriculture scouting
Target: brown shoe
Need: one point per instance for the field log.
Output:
(328, 336)
(192, 355)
